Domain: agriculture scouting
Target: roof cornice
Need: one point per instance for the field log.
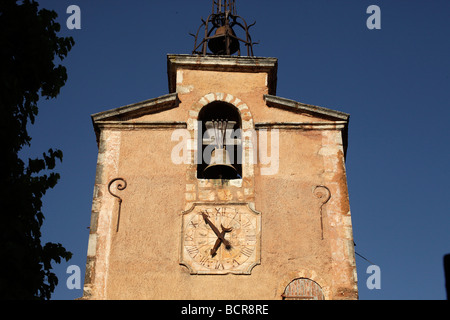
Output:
(287, 104)
(222, 64)
(145, 107)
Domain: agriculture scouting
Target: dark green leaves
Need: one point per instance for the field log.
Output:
(29, 46)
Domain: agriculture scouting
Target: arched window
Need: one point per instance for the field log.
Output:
(219, 139)
(303, 289)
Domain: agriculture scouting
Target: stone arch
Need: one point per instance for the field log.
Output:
(247, 127)
(304, 274)
(246, 116)
(303, 289)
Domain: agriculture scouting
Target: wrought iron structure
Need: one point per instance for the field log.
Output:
(219, 36)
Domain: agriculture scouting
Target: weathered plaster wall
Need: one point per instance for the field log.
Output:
(306, 223)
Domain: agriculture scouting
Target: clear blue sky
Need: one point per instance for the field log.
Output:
(395, 83)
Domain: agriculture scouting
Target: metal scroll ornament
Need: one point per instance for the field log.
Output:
(324, 194)
(122, 185)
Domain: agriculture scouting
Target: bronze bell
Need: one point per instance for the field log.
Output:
(220, 166)
(218, 43)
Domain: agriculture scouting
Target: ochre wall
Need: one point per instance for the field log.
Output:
(142, 259)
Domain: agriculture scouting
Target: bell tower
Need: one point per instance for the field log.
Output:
(220, 189)
(219, 36)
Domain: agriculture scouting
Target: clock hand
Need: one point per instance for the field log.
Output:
(219, 241)
(213, 227)
(216, 247)
(216, 231)
(226, 230)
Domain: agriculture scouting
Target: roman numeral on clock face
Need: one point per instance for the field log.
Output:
(246, 251)
(192, 250)
(221, 239)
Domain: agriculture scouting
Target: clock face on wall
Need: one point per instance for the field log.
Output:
(220, 239)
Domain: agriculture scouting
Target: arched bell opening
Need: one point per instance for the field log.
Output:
(220, 143)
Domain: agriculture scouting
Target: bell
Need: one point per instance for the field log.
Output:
(220, 166)
(218, 43)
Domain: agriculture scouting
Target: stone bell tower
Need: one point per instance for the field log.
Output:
(221, 189)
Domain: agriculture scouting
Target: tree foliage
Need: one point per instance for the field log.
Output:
(29, 46)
